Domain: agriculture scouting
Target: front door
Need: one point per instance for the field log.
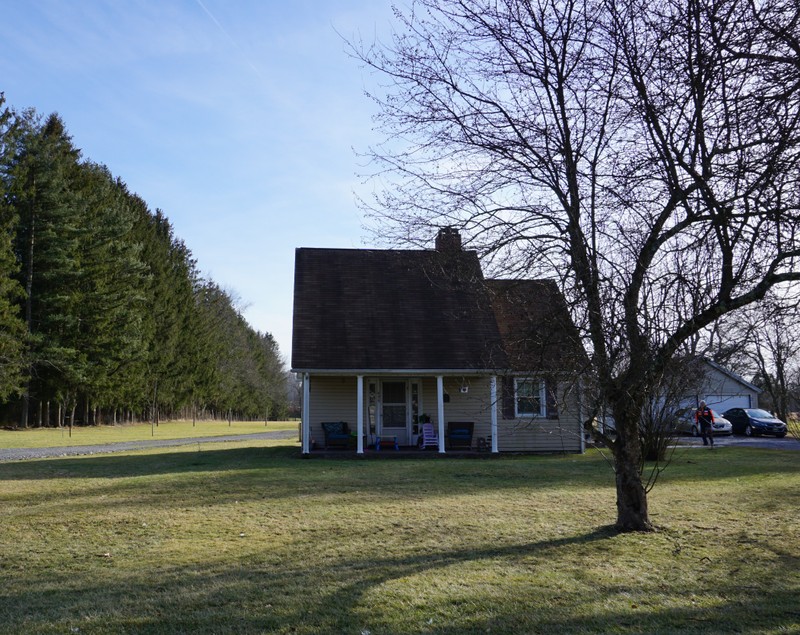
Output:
(394, 411)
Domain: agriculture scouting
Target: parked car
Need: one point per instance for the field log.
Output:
(754, 421)
(685, 423)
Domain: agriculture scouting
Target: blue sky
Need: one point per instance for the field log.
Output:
(237, 118)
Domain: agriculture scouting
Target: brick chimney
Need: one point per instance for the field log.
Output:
(448, 240)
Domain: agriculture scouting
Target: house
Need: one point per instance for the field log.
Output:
(388, 339)
(721, 388)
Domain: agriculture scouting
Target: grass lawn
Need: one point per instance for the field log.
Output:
(794, 426)
(250, 538)
(85, 435)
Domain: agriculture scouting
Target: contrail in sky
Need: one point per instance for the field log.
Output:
(228, 35)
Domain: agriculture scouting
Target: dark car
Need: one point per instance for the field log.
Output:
(754, 421)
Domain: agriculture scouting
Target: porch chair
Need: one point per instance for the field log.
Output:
(429, 438)
(459, 434)
(337, 433)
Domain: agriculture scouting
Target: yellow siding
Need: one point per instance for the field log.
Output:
(531, 435)
(429, 400)
(334, 399)
(474, 405)
(545, 435)
(540, 435)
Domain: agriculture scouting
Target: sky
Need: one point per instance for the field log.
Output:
(240, 119)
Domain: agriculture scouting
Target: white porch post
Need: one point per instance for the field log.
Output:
(306, 413)
(493, 390)
(360, 415)
(440, 417)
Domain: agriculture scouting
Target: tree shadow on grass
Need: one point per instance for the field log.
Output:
(185, 478)
(147, 463)
(309, 595)
(414, 476)
(253, 597)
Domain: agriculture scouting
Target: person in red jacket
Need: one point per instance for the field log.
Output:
(704, 419)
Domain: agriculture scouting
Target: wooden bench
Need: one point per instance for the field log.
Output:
(386, 442)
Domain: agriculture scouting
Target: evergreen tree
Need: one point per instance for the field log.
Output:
(170, 301)
(106, 301)
(44, 200)
(12, 327)
(112, 285)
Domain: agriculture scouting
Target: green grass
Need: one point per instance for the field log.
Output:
(794, 426)
(239, 538)
(86, 435)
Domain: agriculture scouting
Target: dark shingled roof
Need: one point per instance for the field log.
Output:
(537, 331)
(392, 310)
(362, 309)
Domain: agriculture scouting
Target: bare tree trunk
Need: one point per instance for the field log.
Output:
(154, 413)
(23, 419)
(29, 304)
(632, 512)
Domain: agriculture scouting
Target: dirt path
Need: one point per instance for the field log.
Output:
(20, 454)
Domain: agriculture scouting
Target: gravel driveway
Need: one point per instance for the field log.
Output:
(19, 454)
(786, 443)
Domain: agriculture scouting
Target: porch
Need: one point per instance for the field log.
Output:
(403, 452)
(353, 414)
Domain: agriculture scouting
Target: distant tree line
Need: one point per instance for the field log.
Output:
(104, 316)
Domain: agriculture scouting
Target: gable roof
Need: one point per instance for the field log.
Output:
(732, 375)
(534, 322)
(366, 309)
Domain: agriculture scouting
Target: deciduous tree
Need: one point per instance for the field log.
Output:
(645, 153)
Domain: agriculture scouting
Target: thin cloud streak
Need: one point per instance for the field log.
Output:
(231, 40)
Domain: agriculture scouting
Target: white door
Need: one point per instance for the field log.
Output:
(394, 410)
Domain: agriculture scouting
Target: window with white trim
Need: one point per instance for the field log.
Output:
(530, 399)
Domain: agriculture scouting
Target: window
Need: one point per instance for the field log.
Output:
(394, 404)
(529, 398)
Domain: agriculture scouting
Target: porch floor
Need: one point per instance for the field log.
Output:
(404, 451)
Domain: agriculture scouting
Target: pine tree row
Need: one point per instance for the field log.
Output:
(104, 316)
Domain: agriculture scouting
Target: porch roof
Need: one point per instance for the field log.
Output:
(401, 372)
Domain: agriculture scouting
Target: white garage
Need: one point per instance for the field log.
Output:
(721, 403)
(722, 389)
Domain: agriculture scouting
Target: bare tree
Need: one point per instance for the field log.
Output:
(644, 153)
(772, 344)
